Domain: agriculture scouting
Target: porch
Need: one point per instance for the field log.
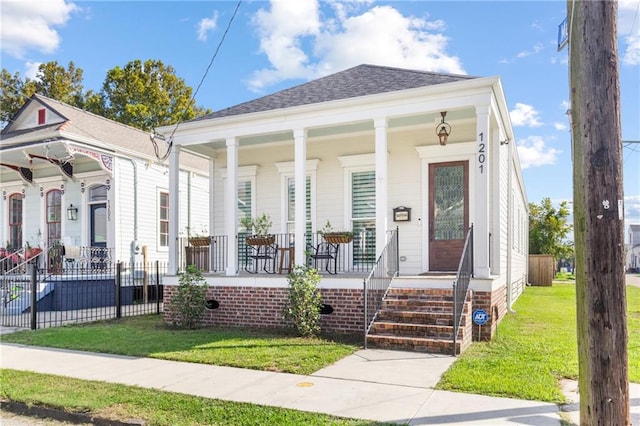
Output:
(275, 255)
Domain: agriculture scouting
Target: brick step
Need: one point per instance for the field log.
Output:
(414, 330)
(415, 344)
(424, 294)
(416, 317)
(420, 305)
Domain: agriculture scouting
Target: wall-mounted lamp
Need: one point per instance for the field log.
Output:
(72, 212)
(443, 130)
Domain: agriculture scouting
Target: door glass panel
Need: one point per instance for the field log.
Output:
(449, 203)
(99, 225)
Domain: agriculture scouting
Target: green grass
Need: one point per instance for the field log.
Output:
(119, 402)
(534, 348)
(147, 336)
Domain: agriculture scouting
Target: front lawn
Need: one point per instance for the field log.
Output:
(148, 336)
(534, 348)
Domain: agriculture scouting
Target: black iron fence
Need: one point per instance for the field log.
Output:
(377, 283)
(461, 285)
(32, 296)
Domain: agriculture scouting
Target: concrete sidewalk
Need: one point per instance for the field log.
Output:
(377, 385)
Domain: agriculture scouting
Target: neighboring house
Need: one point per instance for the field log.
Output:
(360, 148)
(633, 248)
(94, 185)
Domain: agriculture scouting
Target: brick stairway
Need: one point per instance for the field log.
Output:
(420, 320)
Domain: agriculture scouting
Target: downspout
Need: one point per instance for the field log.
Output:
(135, 248)
(509, 227)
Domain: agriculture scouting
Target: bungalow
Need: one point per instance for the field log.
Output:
(74, 179)
(407, 161)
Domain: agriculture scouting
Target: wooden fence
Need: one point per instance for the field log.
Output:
(541, 269)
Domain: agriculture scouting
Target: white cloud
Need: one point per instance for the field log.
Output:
(629, 30)
(29, 25)
(302, 41)
(525, 115)
(533, 152)
(536, 49)
(560, 126)
(632, 209)
(207, 25)
(31, 69)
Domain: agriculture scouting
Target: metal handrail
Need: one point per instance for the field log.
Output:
(461, 284)
(377, 283)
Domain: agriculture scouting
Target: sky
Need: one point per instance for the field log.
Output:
(272, 45)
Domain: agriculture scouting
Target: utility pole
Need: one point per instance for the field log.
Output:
(598, 213)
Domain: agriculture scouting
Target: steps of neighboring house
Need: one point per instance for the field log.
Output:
(421, 320)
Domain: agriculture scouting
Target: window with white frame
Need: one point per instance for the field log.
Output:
(287, 170)
(15, 221)
(163, 219)
(291, 205)
(363, 215)
(245, 199)
(360, 182)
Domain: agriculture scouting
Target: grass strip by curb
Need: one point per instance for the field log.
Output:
(124, 404)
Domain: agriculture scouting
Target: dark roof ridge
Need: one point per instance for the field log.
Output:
(358, 81)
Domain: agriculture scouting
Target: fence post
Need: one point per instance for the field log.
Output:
(118, 287)
(34, 296)
(157, 287)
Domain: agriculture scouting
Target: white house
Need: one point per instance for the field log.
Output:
(633, 248)
(68, 176)
(360, 148)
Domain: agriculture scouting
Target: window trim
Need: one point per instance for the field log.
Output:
(160, 193)
(287, 171)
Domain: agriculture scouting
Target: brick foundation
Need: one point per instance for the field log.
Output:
(263, 307)
(495, 303)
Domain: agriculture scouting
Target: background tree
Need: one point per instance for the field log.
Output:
(12, 95)
(145, 95)
(548, 229)
(56, 82)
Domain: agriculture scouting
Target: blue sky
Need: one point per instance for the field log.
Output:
(275, 45)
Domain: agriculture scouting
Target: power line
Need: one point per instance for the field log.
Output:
(193, 98)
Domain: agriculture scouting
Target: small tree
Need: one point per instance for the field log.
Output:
(189, 302)
(304, 300)
(548, 229)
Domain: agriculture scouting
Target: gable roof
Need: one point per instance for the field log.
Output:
(82, 126)
(361, 80)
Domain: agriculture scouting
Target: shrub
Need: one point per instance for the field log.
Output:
(190, 299)
(304, 300)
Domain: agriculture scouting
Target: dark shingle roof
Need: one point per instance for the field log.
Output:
(361, 80)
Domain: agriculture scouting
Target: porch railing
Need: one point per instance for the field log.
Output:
(461, 285)
(354, 257)
(377, 283)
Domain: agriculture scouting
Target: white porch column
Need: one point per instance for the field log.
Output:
(482, 201)
(380, 125)
(231, 206)
(212, 223)
(174, 209)
(300, 176)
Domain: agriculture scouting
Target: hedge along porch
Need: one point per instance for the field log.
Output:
(354, 148)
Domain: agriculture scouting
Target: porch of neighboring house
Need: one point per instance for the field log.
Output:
(60, 285)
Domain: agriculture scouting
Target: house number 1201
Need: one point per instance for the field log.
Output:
(481, 153)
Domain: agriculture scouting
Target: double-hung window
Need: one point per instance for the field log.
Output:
(15, 221)
(363, 216)
(163, 219)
